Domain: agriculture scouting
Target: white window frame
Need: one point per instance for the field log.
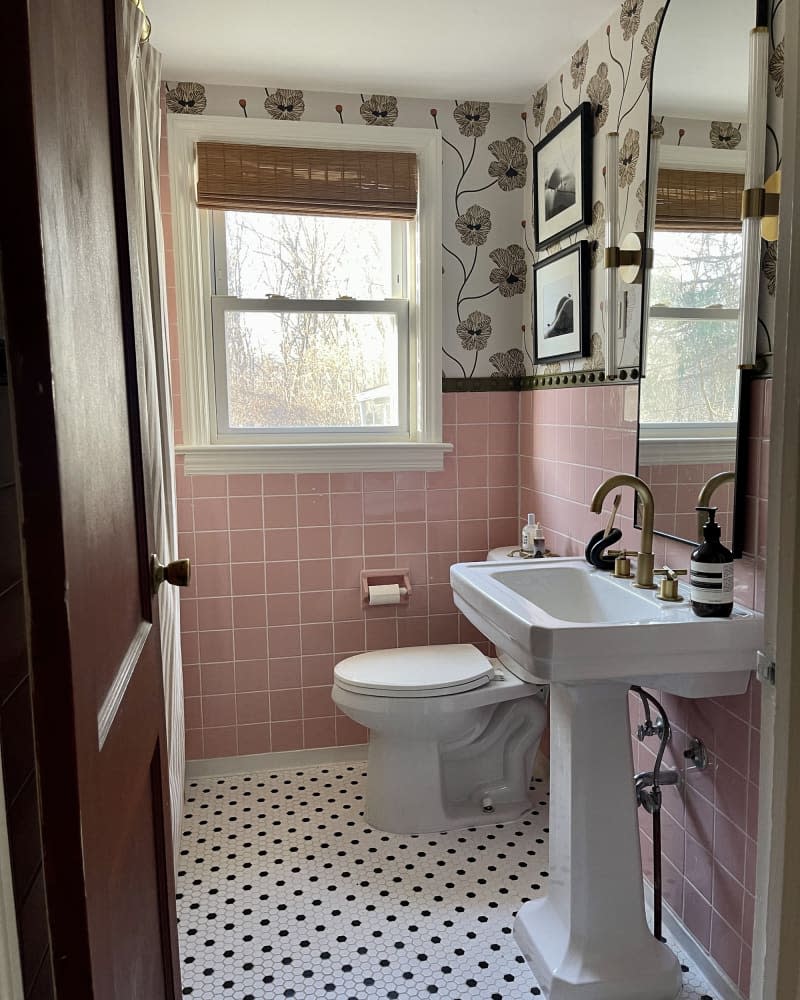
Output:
(422, 448)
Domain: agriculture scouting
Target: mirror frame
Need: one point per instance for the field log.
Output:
(745, 377)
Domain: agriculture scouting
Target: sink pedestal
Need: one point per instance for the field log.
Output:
(589, 939)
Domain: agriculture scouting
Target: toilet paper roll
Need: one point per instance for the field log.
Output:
(386, 593)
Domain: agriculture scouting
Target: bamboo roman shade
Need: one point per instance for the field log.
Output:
(298, 181)
(699, 200)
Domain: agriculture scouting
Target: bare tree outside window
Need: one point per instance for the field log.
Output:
(311, 368)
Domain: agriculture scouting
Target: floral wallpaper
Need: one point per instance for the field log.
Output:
(611, 70)
(698, 132)
(486, 170)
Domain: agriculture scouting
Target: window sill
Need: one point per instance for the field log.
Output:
(397, 456)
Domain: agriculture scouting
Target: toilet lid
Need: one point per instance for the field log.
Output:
(417, 671)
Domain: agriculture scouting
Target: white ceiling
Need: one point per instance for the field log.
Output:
(702, 58)
(414, 48)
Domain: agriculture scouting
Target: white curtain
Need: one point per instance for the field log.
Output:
(140, 75)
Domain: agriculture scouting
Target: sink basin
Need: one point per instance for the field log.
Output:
(564, 621)
(589, 636)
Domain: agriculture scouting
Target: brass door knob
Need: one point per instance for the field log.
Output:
(178, 573)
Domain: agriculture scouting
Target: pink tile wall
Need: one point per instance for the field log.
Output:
(675, 489)
(274, 602)
(570, 440)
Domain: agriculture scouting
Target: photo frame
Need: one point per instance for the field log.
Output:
(561, 293)
(562, 178)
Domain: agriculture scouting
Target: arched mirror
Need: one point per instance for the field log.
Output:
(690, 395)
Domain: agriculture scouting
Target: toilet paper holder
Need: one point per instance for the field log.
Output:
(385, 577)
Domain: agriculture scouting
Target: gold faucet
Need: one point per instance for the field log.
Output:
(644, 558)
(708, 491)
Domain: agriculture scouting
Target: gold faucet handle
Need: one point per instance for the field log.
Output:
(622, 563)
(668, 587)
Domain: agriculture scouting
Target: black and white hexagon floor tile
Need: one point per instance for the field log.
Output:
(284, 891)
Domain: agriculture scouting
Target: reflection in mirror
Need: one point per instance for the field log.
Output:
(689, 395)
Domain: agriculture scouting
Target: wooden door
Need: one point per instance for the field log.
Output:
(93, 635)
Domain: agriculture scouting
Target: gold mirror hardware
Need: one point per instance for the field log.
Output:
(763, 202)
(178, 573)
(631, 258)
(770, 227)
(668, 587)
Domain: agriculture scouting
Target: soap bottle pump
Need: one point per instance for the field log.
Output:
(539, 547)
(528, 544)
(711, 573)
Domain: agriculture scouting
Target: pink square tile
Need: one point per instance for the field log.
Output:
(209, 486)
(278, 484)
(190, 647)
(317, 702)
(472, 408)
(411, 537)
(210, 514)
(443, 537)
(472, 439)
(473, 470)
(697, 915)
(191, 680)
(219, 710)
(280, 512)
(252, 707)
(442, 505)
(286, 704)
(473, 536)
(504, 407)
(443, 629)
(412, 632)
(446, 478)
(382, 633)
(313, 509)
(315, 574)
(729, 846)
(251, 676)
(319, 733)
(349, 637)
(194, 744)
(317, 671)
(244, 486)
(212, 581)
(379, 539)
(217, 678)
(283, 640)
(284, 673)
(347, 508)
(503, 470)
(349, 733)
(728, 897)
(193, 712)
(281, 544)
(375, 481)
(247, 546)
(245, 512)
(316, 606)
(313, 482)
(219, 742)
(347, 604)
(282, 578)
(212, 547)
(439, 564)
(347, 540)
(317, 638)
(283, 609)
(346, 482)
(725, 947)
(214, 613)
(247, 578)
(409, 480)
(473, 503)
(449, 408)
(216, 646)
(503, 439)
(253, 738)
(378, 506)
(286, 736)
(410, 506)
(250, 643)
(249, 612)
(315, 543)
(346, 573)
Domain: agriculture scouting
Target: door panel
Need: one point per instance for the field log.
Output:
(94, 639)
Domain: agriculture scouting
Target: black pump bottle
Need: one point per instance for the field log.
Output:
(711, 573)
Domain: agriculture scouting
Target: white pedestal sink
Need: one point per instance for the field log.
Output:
(590, 637)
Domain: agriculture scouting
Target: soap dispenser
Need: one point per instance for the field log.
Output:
(711, 572)
(528, 544)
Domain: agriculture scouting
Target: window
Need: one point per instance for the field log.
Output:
(310, 337)
(689, 399)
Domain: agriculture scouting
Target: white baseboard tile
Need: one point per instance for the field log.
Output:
(716, 977)
(219, 766)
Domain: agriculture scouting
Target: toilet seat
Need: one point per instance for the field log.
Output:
(416, 672)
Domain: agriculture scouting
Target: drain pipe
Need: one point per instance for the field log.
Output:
(648, 791)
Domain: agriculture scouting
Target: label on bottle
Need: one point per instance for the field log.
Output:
(711, 583)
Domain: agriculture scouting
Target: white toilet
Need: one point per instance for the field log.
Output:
(453, 734)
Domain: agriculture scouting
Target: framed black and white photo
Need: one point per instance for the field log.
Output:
(561, 305)
(562, 178)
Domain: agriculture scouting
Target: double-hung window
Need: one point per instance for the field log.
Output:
(315, 288)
